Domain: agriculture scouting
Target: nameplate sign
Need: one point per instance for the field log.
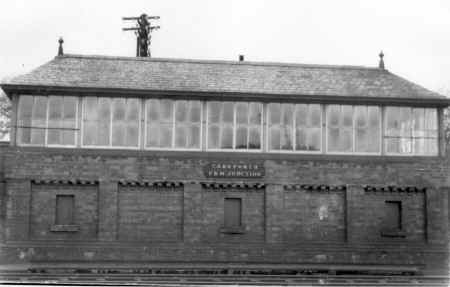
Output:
(234, 170)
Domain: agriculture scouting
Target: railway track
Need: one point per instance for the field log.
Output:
(134, 279)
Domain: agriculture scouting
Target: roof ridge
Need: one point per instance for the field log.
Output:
(229, 62)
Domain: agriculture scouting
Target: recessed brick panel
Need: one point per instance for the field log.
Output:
(252, 204)
(43, 211)
(150, 213)
(313, 216)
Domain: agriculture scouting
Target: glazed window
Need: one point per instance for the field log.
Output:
(65, 206)
(294, 127)
(367, 129)
(111, 122)
(411, 131)
(125, 122)
(46, 120)
(173, 124)
(234, 126)
(353, 129)
(62, 121)
(187, 124)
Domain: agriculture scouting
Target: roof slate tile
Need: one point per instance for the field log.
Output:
(221, 76)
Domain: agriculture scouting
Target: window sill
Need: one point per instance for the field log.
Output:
(65, 228)
(393, 233)
(233, 230)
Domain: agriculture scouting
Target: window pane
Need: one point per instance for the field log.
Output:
(286, 138)
(180, 137)
(254, 141)
(104, 121)
(227, 112)
(333, 139)
(347, 116)
(166, 107)
(152, 110)
(255, 113)
(307, 133)
(165, 140)
(333, 114)
(213, 137)
(274, 113)
(274, 135)
(118, 122)
(132, 123)
(181, 111)
(55, 121)
(241, 137)
(286, 132)
(195, 112)
(194, 137)
(393, 121)
(214, 112)
(241, 113)
(227, 137)
(301, 115)
(314, 115)
(340, 128)
(287, 114)
(152, 123)
(314, 139)
(160, 117)
(39, 120)
(152, 135)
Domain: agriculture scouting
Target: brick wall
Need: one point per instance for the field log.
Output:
(213, 215)
(313, 215)
(150, 213)
(43, 211)
(184, 224)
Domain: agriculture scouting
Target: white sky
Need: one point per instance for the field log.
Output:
(414, 35)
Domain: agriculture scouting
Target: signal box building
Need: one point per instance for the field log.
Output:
(156, 163)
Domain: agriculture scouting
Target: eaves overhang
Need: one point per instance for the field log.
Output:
(11, 89)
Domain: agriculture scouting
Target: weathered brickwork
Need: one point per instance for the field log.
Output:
(150, 213)
(43, 211)
(370, 211)
(313, 215)
(252, 215)
(144, 223)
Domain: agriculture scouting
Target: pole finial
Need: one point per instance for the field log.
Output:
(60, 48)
(381, 63)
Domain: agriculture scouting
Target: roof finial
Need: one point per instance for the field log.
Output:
(60, 49)
(381, 63)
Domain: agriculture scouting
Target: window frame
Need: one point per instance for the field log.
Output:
(412, 154)
(110, 146)
(380, 125)
(294, 131)
(172, 147)
(261, 137)
(77, 130)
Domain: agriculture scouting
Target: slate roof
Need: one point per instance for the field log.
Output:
(154, 74)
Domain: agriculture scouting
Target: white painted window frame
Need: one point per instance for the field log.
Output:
(172, 147)
(233, 149)
(412, 154)
(45, 144)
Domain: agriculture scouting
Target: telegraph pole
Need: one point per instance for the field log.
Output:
(143, 30)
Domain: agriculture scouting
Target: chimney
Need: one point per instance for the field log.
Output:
(241, 58)
(60, 49)
(381, 63)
